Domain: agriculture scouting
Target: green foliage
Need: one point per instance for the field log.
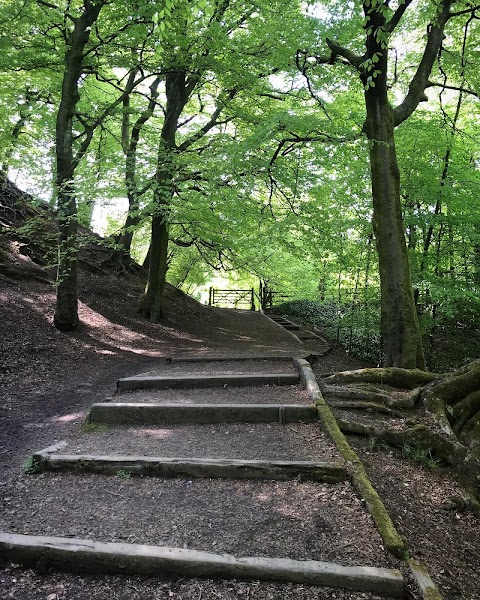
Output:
(354, 326)
(420, 455)
(125, 475)
(31, 466)
(278, 187)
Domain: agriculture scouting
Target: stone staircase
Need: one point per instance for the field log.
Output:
(303, 334)
(187, 404)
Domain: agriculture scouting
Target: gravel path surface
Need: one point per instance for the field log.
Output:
(269, 441)
(26, 585)
(303, 521)
(267, 394)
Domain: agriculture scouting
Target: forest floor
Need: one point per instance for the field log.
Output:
(48, 380)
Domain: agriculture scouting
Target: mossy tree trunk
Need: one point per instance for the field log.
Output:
(66, 311)
(401, 343)
(401, 339)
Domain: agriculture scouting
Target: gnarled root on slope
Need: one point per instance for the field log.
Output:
(452, 401)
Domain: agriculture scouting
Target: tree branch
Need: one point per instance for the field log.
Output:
(467, 11)
(397, 15)
(454, 88)
(47, 4)
(352, 58)
(416, 90)
(208, 126)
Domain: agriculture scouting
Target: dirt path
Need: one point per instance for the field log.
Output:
(49, 380)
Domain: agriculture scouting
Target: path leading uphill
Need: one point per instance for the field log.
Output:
(227, 469)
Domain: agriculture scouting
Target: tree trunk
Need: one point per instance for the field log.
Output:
(151, 303)
(400, 333)
(177, 92)
(130, 142)
(66, 311)
(401, 342)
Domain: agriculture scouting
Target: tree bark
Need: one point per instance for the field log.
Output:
(401, 342)
(177, 92)
(130, 142)
(66, 311)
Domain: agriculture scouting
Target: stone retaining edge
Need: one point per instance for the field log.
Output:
(87, 556)
(425, 584)
(157, 466)
(392, 540)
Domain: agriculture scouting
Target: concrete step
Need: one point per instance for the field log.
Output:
(212, 358)
(222, 367)
(301, 520)
(159, 466)
(87, 556)
(206, 381)
(137, 413)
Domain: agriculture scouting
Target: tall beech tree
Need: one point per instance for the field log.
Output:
(382, 26)
(213, 52)
(66, 312)
(74, 24)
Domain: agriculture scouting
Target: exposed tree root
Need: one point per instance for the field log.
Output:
(452, 401)
(123, 264)
(336, 391)
(88, 266)
(453, 453)
(394, 376)
(369, 393)
(366, 405)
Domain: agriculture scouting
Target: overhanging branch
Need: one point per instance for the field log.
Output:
(454, 88)
(397, 15)
(416, 90)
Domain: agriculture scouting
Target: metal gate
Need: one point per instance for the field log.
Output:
(244, 299)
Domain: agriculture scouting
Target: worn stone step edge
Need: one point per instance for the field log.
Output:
(234, 358)
(87, 556)
(308, 356)
(205, 381)
(122, 413)
(428, 589)
(159, 466)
